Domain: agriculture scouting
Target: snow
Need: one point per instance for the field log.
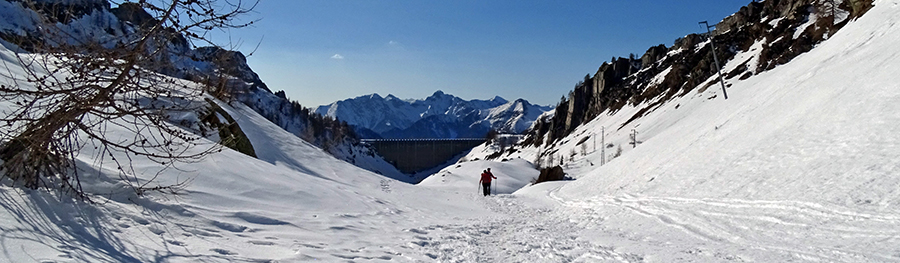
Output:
(774, 22)
(659, 78)
(464, 176)
(385, 115)
(96, 26)
(750, 57)
(809, 22)
(294, 203)
(674, 52)
(840, 15)
(513, 116)
(799, 164)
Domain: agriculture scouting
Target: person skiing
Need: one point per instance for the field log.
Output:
(485, 181)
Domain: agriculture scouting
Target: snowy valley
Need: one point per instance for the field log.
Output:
(799, 164)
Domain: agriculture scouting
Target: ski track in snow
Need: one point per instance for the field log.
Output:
(518, 233)
(776, 230)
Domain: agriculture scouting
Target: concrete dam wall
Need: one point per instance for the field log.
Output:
(414, 155)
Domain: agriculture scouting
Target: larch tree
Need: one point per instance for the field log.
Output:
(73, 90)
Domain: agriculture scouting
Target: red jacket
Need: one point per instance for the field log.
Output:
(486, 177)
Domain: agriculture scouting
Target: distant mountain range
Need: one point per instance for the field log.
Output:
(440, 115)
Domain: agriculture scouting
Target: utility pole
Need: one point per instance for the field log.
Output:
(634, 138)
(712, 43)
(602, 145)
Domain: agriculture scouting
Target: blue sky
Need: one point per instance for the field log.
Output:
(322, 51)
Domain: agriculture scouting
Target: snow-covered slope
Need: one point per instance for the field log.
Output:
(99, 21)
(821, 128)
(438, 116)
(798, 165)
(822, 125)
(297, 120)
(294, 203)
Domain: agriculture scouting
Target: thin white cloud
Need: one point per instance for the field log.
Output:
(393, 43)
(337, 56)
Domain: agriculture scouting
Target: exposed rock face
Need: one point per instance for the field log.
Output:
(784, 28)
(134, 14)
(653, 55)
(555, 173)
(230, 133)
(180, 60)
(859, 7)
(232, 63)
(64, 11)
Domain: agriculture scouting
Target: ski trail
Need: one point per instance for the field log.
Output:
(781, 230)
(519, 232)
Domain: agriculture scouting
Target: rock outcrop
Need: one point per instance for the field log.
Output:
(232, 63)
(555, 173)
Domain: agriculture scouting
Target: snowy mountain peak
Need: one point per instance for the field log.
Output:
(440, 115)
(439, 97)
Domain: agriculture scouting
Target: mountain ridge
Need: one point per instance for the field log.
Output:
(440, 115)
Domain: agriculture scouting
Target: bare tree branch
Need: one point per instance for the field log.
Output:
(75, 88)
